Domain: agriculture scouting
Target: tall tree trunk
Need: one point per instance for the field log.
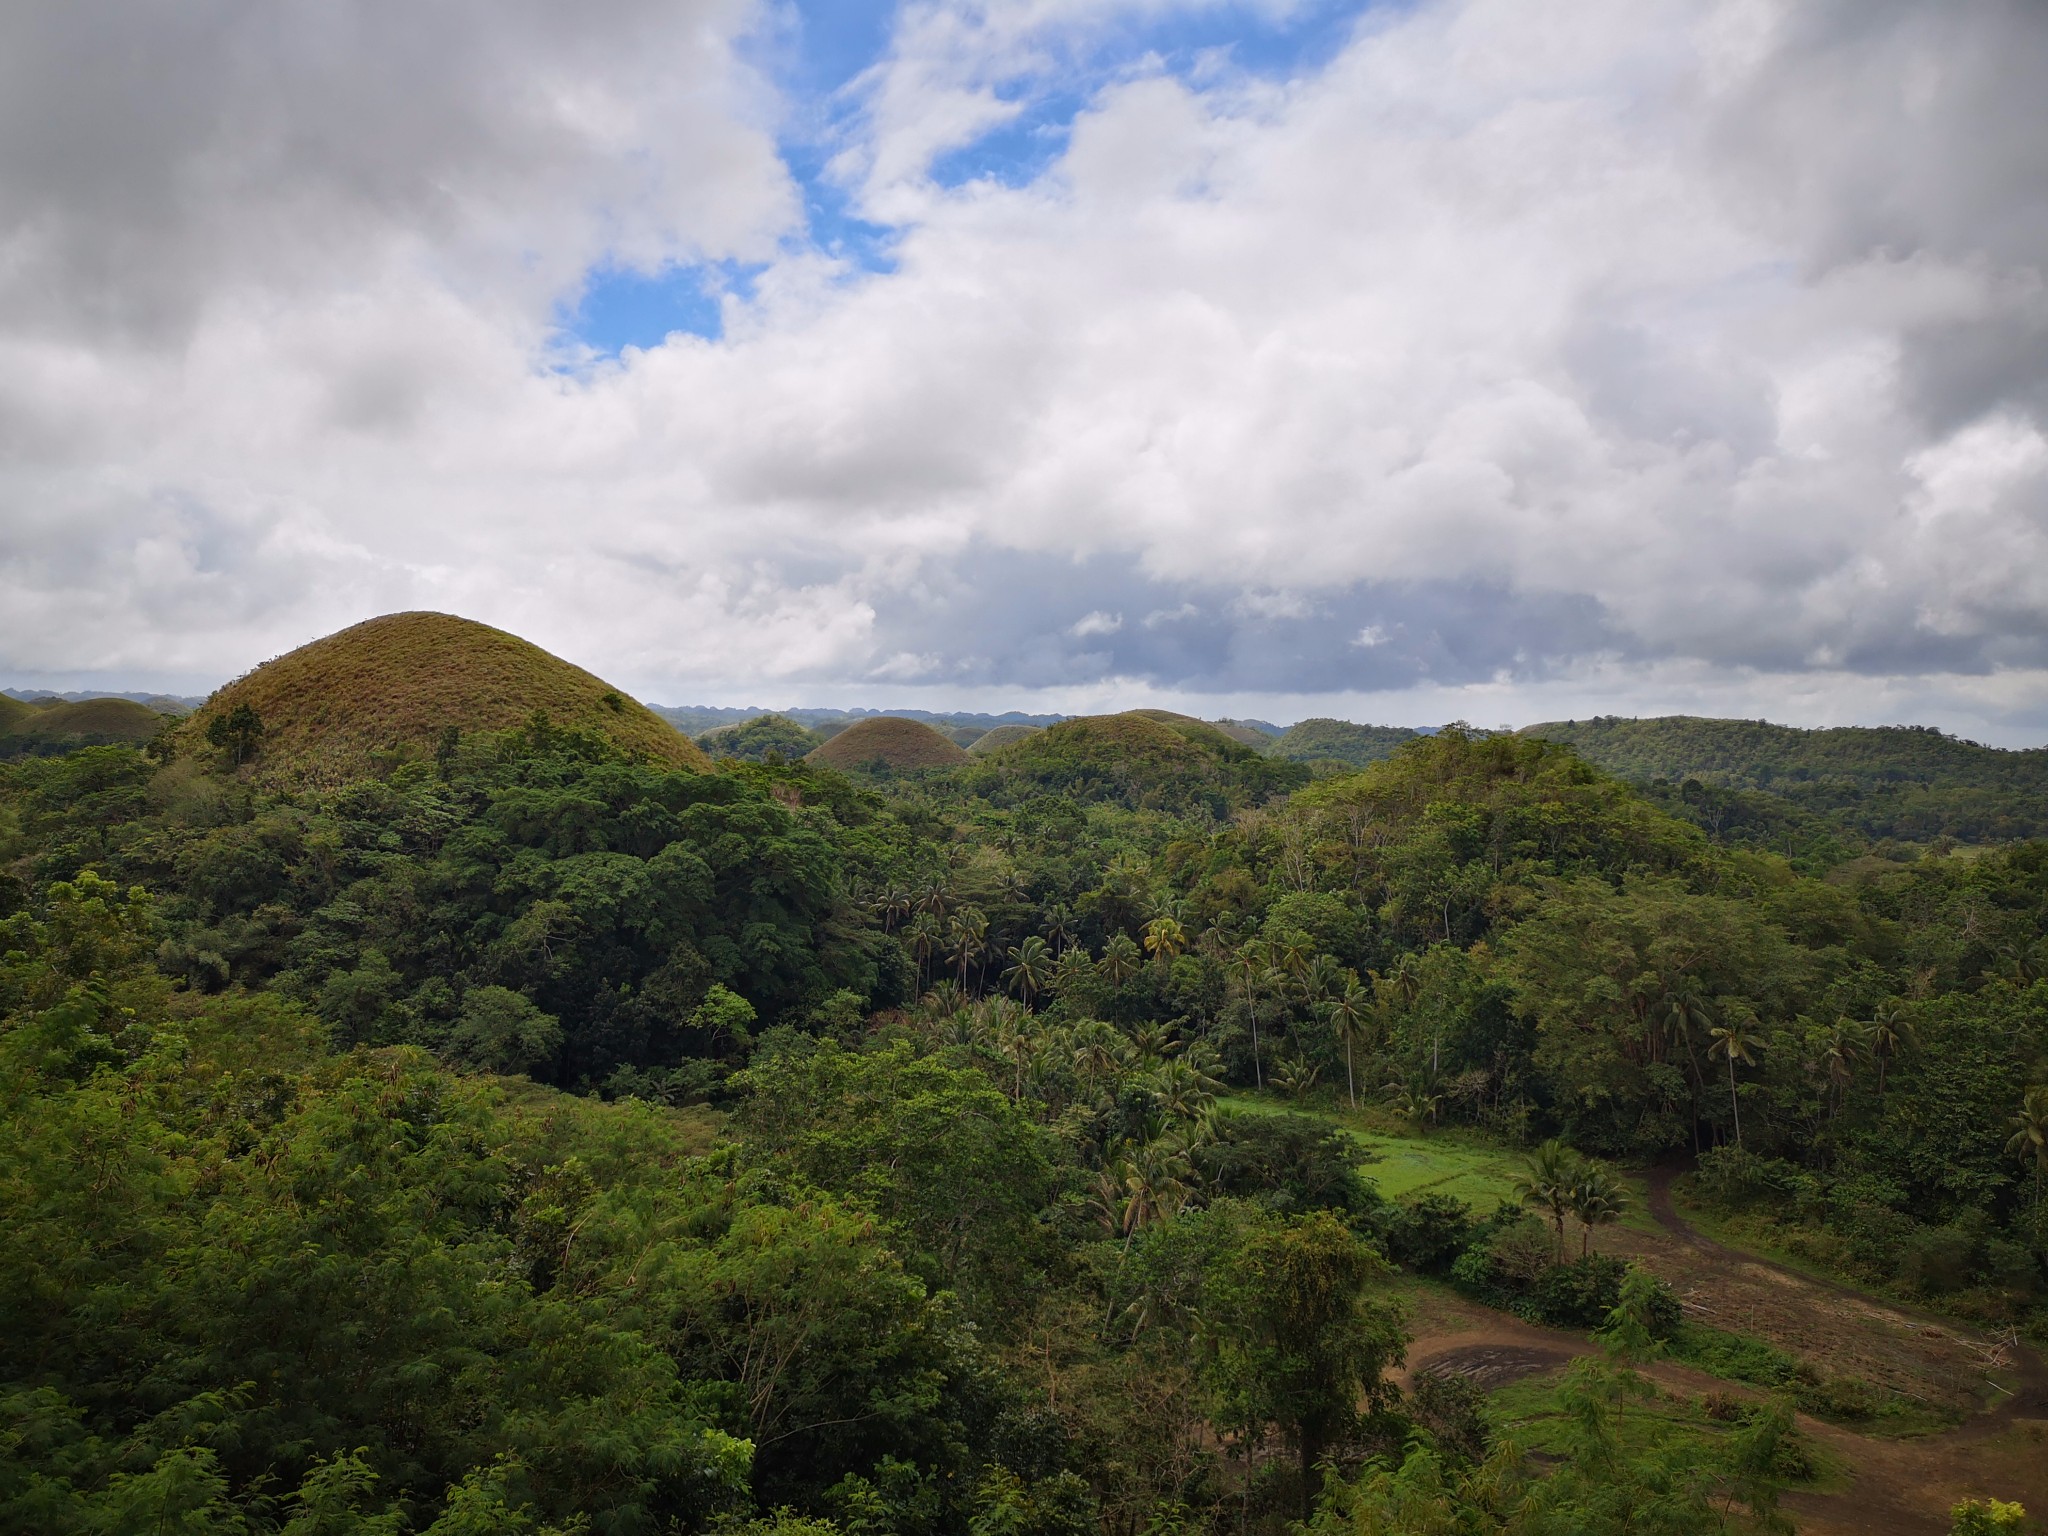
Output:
(1734, 1103)
(1350, 1083)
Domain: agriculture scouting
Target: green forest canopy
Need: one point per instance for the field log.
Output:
(536, 1131)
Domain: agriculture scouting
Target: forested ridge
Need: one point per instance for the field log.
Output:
(534, 1135)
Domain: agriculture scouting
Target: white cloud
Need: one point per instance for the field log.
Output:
(1690, 314)
(1096, 623)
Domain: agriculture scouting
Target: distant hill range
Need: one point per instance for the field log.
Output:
(162, 703)
(1772, 782)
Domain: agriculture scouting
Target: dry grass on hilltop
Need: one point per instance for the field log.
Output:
(891, 741)
(331, 708)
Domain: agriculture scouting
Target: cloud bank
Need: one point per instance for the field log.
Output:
(1631, 354)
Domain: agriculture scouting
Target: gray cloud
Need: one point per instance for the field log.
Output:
(1517, 350)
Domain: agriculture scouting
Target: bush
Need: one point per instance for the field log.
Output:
(1579, 1294)
(1453, 1410)
(1428, 1234)
(1736, 1179)
(1986, 1517)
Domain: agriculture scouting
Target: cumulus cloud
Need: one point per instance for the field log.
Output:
(1679, 345)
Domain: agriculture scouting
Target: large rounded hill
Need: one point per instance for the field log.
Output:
(332, 708)
(890, 741)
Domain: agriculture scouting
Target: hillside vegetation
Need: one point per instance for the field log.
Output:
(392, 688)
(754, 740)
(1143, 758)
(1903, 782)
(1339, 741)
(529, 1137)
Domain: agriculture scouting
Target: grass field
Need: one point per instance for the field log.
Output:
(1448, 1162)
(1456, 1162)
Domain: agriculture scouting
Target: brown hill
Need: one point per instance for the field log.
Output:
(61, 727)
(390, 685)
(890, 741)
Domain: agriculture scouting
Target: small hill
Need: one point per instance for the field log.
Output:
(47, 728)
(1144, 758)
(754, 740)
(1002, 736)
(331, 708)
(893, 742)
(1340, 741)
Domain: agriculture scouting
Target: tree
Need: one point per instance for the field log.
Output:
(1736, 1042)
(1890, 1030)
(1030, 967)
(2030, 1140)
(1545, 1184)
(1248, 968)
(970, 936)
(1597, 1199)
(1844, 1045)
(1297, 1341)
(1350, 1010)
(1119, 960)
(238, 733)
(1165, 938)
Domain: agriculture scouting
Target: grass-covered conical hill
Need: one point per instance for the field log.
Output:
(1144, 758)
(330, 709)
(890, 741)
(995, 739)
(34, 729)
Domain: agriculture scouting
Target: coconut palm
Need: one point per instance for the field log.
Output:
(2030, 1141)
(969, 935)
(926, 937)
(1350, 1015)
(1248, 969)
(1060, 928)
(1120, 960)
(1597, 1198)
(1296, 1075)
(1846, 1043)
(1890, 1032)
(1736, 1042)
(1165, 938)
(1545, 1184)
(1030, 967)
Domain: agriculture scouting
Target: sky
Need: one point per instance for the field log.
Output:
(1404, 361)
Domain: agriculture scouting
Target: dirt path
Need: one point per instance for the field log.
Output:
(1897, 1487)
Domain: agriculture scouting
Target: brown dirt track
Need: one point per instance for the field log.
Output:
(1896, 1486)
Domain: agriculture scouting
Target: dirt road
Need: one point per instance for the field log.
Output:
(1898, 1486)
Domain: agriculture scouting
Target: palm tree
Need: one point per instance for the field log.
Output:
(925, 937)
(1296, 1075)
(1293, 956)
(1119, 960)
(1030, 966)
(1060, 929)
(1545, 1184)
(2030, 1142)
(970, 935)
(1349, 1012)
(1597, 1198)
(1736, 1042)
(1248, 966)
(1890, 1030)
(1165, 938)
(1845, 1045)
(1415, 1101)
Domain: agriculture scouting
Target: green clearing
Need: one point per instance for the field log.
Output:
(1449, 1162)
